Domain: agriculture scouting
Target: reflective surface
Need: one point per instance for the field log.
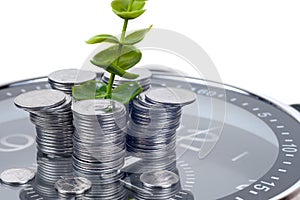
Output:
(238, 153)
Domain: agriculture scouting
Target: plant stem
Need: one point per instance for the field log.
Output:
(124, 32)
(110, 84)
(112, 76)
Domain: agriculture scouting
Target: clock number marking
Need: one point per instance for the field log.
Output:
(206, 92)
(263, 186)
(289, 148)
(264, 114)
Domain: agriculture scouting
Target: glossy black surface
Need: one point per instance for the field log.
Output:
(231, 145)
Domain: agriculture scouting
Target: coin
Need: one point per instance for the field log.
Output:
(51, 169)
(17, 176)
(40, 99)
(151, 132)
(170, 96)
(50, 112)
(65, 79)
(71, 76)
(159, 179)
(95, 107)
(73, 185)
(99, 139)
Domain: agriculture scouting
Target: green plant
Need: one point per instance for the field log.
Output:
(118, 58)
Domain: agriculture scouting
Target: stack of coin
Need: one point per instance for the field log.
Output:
(158, 185)
(151, 132)
(99, 146)
(106, 186)
(155, 116)
(143, 79)
(50, 169)
(64, 80)
(50, 112)
(99, 139)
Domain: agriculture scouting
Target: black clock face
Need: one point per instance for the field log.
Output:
(231, 145)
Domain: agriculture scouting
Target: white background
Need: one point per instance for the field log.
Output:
(254, 44)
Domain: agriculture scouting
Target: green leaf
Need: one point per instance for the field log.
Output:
(121, 8)
(115, 62)
(136, 36)
(126, 92)
(129, 14)
(118, 71)
(103, 38)
(137, 5)
(130, 56)
(89, 90)
(123, 5)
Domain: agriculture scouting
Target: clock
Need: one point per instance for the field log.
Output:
(231, 144)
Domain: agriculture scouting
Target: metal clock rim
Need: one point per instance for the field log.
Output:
(281, 106)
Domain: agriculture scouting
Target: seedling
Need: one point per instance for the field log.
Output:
(118, 58)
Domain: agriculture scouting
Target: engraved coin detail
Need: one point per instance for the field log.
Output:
(17, 176)
(73, 185)
(159, 179)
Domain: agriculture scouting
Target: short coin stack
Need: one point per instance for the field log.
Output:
(155, 116)
(158, 185)
(50, 111)
(143, 79)
(64, 80)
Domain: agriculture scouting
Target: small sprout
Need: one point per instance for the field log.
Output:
(118, 58)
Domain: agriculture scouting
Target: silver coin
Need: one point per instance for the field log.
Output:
(159, 179)
(99, 139)
(171, 96)
(17, 176)
(50, 112)
(71, 76)
(39, 99)
(94, 107)
(73, 185)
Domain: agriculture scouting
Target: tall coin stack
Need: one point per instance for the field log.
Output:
(65, 79)
(143, 79)
(155, 117)
(99, 146)
(50, 112)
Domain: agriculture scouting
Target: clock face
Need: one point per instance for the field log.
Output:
(231, 145)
